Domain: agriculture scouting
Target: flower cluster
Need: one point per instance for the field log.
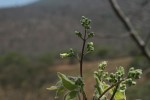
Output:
(105, 81)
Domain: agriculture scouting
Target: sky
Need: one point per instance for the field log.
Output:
(13, 3)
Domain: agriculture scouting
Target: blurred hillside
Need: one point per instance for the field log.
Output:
(48, 25)
(32, 35)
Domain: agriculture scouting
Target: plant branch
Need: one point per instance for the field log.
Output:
(82, 53)
(147, 40)
(112, 37)
(81, 61)
(127, 24)
(79, 96)
(114, 92)
(145, 2)
(110, 88)
(84, 95)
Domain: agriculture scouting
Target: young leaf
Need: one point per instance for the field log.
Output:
(70, 53)
(79, 34)
(67, 83)
(120, 96)
(63, 55)
(90, 47)
(100, 86)
(90, 35)
(52, 88)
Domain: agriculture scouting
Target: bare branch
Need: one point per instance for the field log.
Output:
(145, 2)
(127, 24)
(112, 36)
(147, 40)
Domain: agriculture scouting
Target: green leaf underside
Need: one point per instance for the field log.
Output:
(101, 86)
(52, 88)
(59, 91)
(118, 95)
(67, 83)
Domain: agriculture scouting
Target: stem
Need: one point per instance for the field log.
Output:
(147, 40)
(82, 53)
(65, 95)
(110, 88)
(114, 92)
(81, 61)
(84, 95)
(79, 96)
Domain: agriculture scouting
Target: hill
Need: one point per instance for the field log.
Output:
(48, 25)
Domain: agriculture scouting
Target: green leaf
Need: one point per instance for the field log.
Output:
(90, 35)
(90, 47)
(70, 53)
(100, 86)
(52, 88)
(63, 55)
(71, 95)
(59, 88)
(122, 87)
(59, 91)
(79, 34)
(67, 83)
(120, 96)
(97, 86)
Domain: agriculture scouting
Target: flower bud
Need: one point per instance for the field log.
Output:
(102, 65)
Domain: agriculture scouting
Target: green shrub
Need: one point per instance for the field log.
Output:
(18, 71)
(102, 52)
(47, 59)
(13, 58)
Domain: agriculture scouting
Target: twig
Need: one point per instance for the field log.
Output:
(114, 92)
(145, 2)
(110, 88)
(82, 53)
(133, 33)
(147, 40)
(112, 37)
(81, 61)
(84, 95)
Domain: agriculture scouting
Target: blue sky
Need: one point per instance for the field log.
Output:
(12, 3)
